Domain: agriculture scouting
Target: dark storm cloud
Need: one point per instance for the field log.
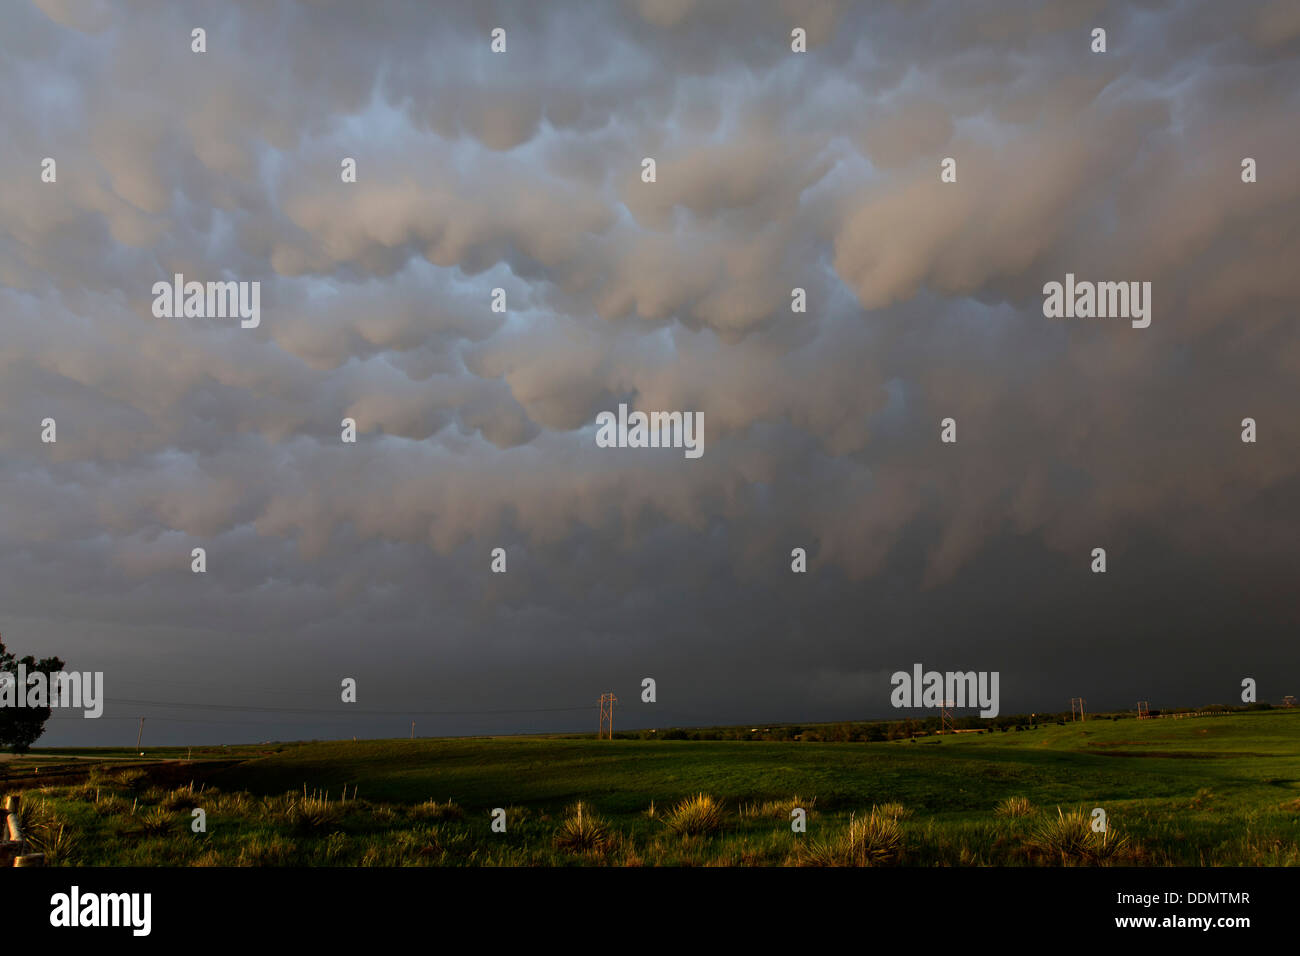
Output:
(476, 429)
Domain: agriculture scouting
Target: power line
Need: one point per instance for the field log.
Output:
(168, 720)
(171, 683)
(337, 712)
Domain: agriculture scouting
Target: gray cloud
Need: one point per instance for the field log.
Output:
(522, 171)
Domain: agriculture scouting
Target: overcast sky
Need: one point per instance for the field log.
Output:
(476, 430)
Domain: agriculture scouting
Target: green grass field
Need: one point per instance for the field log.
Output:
(1209, 791)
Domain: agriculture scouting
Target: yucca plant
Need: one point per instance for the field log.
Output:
(58, 841)
(32, 814)
(336, 847)
(46, 832)
(582, 831)
(873, 840)
(1109, 845)
(182, 798)
(894, 811)
(156, 821)
(276, 808)
(1069, 838)
(266, 851)
(239, 803)
(695, 815)
(313, 813)
(110, 804)
(780, 809)
(132, 779)
(1014, 807)
(87, 791)
(433, 810)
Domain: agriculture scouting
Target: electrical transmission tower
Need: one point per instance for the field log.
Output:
(1144, 709)
(946, 725)
(1076, 707)
(606, 717)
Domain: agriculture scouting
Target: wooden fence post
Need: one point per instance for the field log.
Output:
(11, 846)
(12, 803)
(7, 850)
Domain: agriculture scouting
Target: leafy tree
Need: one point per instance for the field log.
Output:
(21, 726)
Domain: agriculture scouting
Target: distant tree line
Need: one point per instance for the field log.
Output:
(885, 730)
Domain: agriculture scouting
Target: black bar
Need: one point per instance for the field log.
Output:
(329, 905)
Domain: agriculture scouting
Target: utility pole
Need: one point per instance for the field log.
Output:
(139, 736)
(412, 730)
(606, 716)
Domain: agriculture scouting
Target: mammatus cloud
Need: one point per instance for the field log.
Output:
(522, 172)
